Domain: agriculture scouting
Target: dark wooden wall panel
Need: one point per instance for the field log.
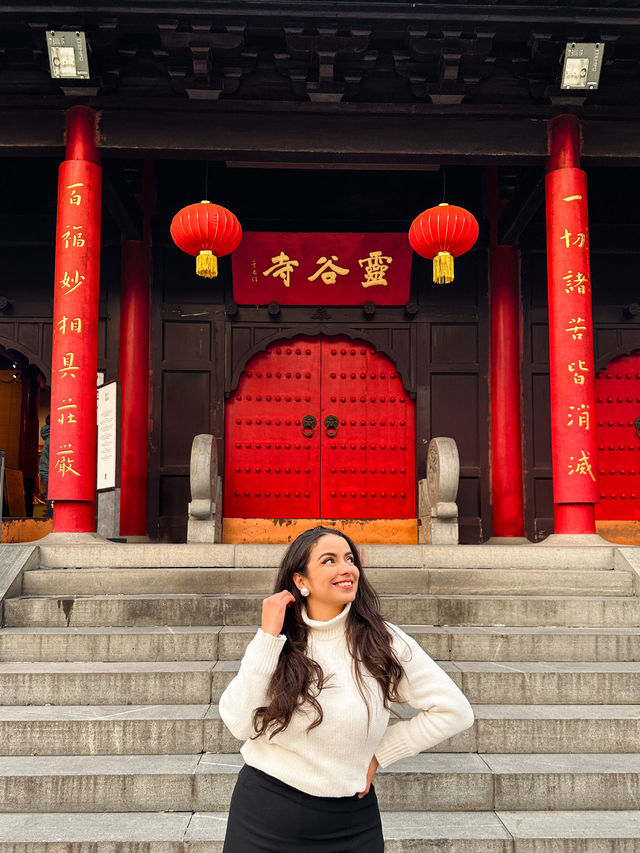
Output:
(454, 343)
(630, 338)
(454, 408)
(186, 403)
(174, 495)
(186, 341)
(539, 344)
(541, 432)
(455, 413)
(469, 502)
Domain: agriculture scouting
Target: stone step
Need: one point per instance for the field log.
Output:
(533, 682)
(443, 782)
(612, 831)
(549, 683)
(190, 729)
(511, 643)
(99, 683)
(487, 556)
(170, 683)
(208, 581)
(153, 643)
(208, 643)
(480, 610)
(557, 728)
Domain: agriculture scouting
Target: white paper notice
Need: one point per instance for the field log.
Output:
(107, 435)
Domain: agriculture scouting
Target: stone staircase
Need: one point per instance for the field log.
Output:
(110, 673)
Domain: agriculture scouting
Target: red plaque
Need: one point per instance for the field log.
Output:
(322, 269)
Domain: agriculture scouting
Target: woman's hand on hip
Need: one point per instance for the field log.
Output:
(273, 610)
(371, 772)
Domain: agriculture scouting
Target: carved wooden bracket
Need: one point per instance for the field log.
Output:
(204, 64)
(327, 64)
(445, 67)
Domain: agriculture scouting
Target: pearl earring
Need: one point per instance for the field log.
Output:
(304, 592)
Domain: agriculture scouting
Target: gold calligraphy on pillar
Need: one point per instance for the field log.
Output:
(581, 466)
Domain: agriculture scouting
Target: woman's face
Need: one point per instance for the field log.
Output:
(331, 578)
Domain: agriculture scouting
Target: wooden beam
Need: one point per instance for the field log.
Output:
(522, 208)
(328, 136)
(412, 135)
(121, 202)
(392, 15)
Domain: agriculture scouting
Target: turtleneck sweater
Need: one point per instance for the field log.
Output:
(332, 759)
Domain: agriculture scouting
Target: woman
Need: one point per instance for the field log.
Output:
(311, 700)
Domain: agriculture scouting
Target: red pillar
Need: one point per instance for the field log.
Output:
(573, 404)
(506, 436)
(134, 376)
(72, 454)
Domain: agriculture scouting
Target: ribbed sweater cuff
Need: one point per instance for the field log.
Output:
(263, 652)
(393, 746)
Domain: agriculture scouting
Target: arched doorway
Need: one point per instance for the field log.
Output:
(23, 397)
(320, 428)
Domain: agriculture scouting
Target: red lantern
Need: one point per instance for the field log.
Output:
(207, 231)
(443, 233)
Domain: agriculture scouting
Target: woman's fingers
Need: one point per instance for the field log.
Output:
(273, 610)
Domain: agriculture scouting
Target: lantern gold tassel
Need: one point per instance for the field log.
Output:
(443, 268)
(207, 264)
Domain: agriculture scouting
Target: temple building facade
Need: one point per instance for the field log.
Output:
(323, 357)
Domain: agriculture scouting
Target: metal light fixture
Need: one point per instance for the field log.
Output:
(68, 57)
(582, 64)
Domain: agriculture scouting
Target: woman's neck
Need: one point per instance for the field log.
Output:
(321, 612)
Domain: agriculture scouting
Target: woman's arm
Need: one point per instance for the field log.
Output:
(248, 690)
(444, 709)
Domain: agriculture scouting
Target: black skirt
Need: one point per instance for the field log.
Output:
(267, 816)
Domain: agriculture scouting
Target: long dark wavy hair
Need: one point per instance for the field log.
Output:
(298, 679)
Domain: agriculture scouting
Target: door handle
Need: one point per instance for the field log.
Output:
(331, 425)
(308, 425)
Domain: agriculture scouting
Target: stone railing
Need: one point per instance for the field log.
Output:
(437, 507)
(205, 507)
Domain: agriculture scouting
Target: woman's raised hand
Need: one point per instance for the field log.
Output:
(273, 610)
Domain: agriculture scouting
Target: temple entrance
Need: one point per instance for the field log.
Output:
(24, 404)
(320, 428)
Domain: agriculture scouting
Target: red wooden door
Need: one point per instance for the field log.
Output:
(320, 428)
(367, 467)
(618, 430)
(271, 466)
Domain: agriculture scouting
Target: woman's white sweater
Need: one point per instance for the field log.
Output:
(332, 759)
